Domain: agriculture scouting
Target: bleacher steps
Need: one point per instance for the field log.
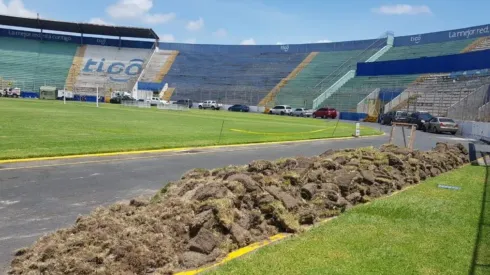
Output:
(75, 68)
(271, 96)
(166, 66)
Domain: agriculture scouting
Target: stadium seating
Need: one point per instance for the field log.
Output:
(359, 87)
(29, 64)
(432, 49)
(159, 65)
(230, 77)
(301, 90)
(356, 89)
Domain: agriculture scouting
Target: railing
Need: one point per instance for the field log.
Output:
(345, 66)
(136, 103)
(147, 61)
(172, 107)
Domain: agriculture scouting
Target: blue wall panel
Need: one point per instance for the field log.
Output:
(438, 64)
(443, 36)
(77, 39)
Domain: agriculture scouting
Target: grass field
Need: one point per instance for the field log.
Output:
(424, 230)
(34, 128)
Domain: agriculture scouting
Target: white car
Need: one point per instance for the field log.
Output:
(301, 112)
(210, 104)
(155, 101)
(281, 110)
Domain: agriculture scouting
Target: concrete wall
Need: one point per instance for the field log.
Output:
(474, 129)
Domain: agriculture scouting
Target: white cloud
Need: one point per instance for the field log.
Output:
(99, 21)
(195, 25)
(167, 38)
(249, 41)
(220, 32)
(16, 8)
(190, 41)
(402, 9)
(138, 9)
(323, 41)
(279, 43)
(159, 18)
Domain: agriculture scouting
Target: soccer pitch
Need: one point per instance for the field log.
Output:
(35, 128)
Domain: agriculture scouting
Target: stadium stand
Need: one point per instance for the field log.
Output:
(426, 50)
(359, 87)
(301, 90)
(29, 64)
(254, 75)
(109, 69)
(234, 78)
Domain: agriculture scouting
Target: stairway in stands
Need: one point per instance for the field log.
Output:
(158, 67)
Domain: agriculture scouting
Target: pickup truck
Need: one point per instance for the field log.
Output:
(210, 104)
(15, 92)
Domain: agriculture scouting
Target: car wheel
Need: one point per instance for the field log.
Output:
(282, 113)
(424, 129)
(16, 96)
(302, 115)
(313, 116)
(212, 108)
(200, 107)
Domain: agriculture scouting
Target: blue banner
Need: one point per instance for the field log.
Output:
(438, 64)
(443, 36)
(75, 39)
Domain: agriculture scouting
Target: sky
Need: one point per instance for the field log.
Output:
(263, 21)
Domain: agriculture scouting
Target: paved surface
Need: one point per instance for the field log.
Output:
(39, 197)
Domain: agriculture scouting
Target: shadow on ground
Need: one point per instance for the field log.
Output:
(481, 254)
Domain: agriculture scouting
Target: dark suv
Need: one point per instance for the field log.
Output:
(419, 119)
(394, 116)
(185, 102)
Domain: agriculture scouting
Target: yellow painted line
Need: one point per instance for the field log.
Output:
(277, 133)
(168, 150)
(238, 253)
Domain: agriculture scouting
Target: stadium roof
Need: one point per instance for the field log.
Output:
(84, 28)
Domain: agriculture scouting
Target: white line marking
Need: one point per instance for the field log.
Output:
(7, 202)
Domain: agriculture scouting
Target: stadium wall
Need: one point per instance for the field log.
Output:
(438, 64)
(254, 49)
(442, 36)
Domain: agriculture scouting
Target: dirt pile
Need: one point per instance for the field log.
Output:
(209, 213)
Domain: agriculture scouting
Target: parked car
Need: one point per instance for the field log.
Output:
(419, 118)
(325, 113)
(280, 110)
(120, 98)
(395, 116)
(210, 104)
(441, 125)
(154, 101)
(239, 108)
(185, 102)
(302, 112)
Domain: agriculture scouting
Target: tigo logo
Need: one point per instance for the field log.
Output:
(118, 71)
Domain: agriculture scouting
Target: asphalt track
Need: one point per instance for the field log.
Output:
(39, 197)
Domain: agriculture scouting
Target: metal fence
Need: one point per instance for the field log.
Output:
(136, 103)
(173, 107)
